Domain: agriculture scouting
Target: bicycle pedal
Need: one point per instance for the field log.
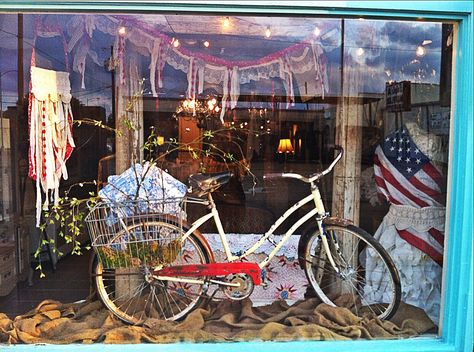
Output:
(264, 282)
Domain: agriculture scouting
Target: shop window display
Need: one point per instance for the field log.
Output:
(221, 105)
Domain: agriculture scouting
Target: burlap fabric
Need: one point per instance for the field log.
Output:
(57, 323)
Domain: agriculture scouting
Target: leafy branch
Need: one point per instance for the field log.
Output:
(69, 213)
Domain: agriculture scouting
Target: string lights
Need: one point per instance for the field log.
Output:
(268, 32)
(420, 51)
(316, 31)
(360, 51)
(122, 30)
(226, 22)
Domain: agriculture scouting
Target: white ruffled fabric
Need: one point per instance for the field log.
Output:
(420, 276)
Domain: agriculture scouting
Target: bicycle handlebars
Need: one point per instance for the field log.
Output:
(313, 177)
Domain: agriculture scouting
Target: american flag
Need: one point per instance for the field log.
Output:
(405, 176)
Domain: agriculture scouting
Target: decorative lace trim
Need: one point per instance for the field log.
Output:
(421, 219)
(50, 85)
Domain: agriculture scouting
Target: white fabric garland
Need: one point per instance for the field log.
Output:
(50, 132)
(300, 62)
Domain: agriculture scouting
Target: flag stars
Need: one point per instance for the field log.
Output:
(417, 151)
(409, 170)
(394, 140)
(399, 158)
(400, 149)
(392, 149)
(418, 161)
(401, 140)
(408, 149)
(407, 160)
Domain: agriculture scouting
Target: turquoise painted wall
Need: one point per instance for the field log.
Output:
(457, 329)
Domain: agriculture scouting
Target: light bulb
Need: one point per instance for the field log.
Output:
(360, 52)
(122, 30)
(191, 104)
(226, 22)
(268, 32)
(206, 44)
(176, 43)
(213, 101)
(316, 31)
(420, 51)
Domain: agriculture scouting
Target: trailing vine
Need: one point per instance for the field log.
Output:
(69, 214)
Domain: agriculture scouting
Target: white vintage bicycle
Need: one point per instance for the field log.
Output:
(151, 264)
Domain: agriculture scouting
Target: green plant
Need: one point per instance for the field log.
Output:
(69, 213)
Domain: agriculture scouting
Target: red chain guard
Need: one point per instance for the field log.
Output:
(213, 269)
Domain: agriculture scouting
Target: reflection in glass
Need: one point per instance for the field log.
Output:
(253, 95)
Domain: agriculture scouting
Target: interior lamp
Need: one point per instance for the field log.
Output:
(285, 146)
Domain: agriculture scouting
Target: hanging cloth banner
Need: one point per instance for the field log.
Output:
(119, 56)
(234, 87)
(50, 132)
(225, 94)
(287, 77)
(291, 64)
(157, 64)
(81, 29)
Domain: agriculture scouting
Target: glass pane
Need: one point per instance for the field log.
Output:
(109, 121)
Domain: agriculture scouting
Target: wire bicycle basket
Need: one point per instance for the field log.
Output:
(136, 233)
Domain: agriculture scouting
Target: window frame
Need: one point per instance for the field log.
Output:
(457, 308)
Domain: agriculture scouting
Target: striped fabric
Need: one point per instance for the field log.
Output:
(405, 176)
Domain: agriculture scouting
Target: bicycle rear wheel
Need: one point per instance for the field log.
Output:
(125, 285)
(350, 287)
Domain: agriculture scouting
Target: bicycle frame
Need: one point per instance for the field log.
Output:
(319, 213)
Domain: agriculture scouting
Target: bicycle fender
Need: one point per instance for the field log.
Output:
(204, 242)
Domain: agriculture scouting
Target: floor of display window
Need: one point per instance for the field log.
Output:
(69, 283)
(88, 321)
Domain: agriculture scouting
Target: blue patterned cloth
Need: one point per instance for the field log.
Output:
(146, 185)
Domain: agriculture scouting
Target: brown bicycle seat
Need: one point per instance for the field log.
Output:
(209, 182)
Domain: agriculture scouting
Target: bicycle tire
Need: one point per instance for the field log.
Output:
(350, 288)
(151, 298)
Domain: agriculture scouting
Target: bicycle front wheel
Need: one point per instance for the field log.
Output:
(364, 286)
(123, 273)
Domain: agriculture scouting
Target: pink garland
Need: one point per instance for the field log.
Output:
(210, 58)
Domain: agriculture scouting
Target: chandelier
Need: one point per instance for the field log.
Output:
(205, 111)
